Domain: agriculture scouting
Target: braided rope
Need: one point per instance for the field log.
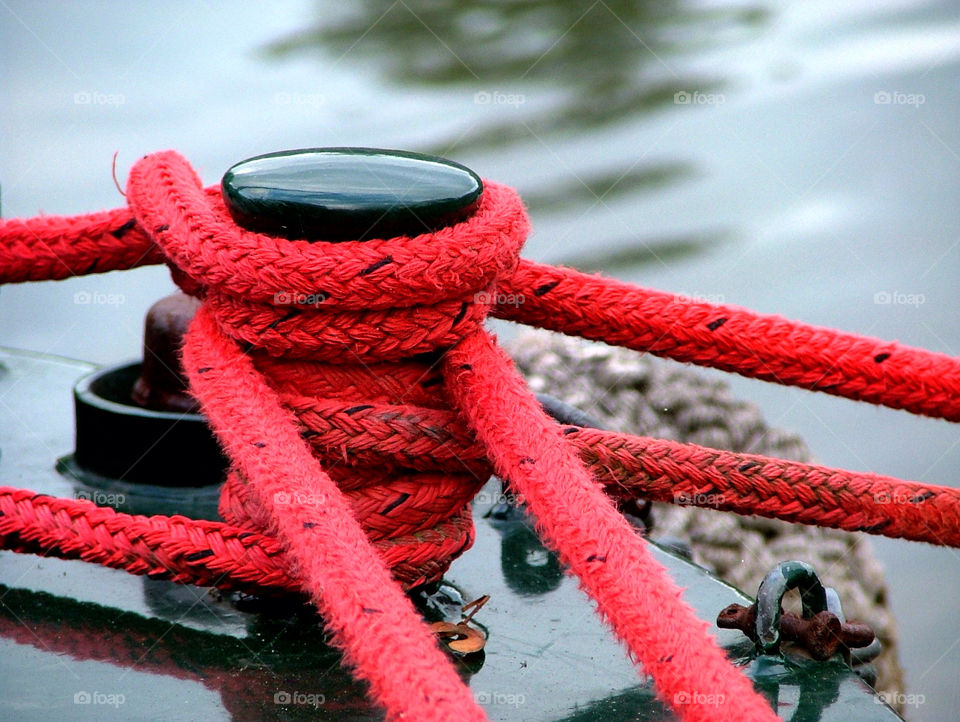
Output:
(49, 248)
(627, 466)
(771, 348)
(643, 395)
(615, 567)
(262, 368)
(190, 551)
(339, 570)
(555, 298)
(631, 466)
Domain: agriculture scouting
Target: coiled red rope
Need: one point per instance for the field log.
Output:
(341, 430)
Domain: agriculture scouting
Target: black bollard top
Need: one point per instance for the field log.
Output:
(341, 194)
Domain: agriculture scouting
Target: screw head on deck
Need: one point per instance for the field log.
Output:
(342, 194)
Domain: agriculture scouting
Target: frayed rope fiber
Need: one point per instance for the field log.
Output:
(381, 405)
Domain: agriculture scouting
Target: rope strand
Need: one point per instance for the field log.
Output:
(575, 518)
(771, 348)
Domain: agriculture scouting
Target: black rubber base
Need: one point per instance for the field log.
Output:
(119, 440)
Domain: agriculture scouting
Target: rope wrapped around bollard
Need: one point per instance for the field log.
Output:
(362, 419)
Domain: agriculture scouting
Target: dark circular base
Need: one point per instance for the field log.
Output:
(197, 502)
(118, 440)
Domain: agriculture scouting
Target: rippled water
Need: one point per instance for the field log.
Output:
(799, 158)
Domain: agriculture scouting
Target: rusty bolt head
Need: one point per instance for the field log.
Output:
(856, 635)
(819, 635)
(737, 616)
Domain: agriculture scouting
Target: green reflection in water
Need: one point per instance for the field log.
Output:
(575, 70)
(608, 61)
(638, 253)
(610, 185)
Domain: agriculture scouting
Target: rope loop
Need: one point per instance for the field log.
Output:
(194, 229)
(301, 309)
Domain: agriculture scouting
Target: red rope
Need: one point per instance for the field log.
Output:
(371, 619)
(632, 590)
(51, 248)
(561, 299)
(312, 406)
(215, 554)
(771, 348)
(188, 551)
